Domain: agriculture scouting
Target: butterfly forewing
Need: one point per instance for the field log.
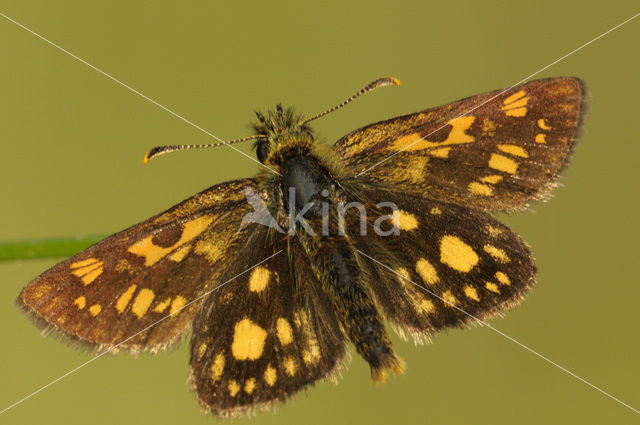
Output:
(494, 151)
(109, 293)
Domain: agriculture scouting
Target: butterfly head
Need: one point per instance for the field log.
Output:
(277, 127)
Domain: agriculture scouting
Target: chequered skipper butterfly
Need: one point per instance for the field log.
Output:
(283, 324)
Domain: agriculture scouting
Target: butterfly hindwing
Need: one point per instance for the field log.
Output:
(447, 266)
(264, 335)
(112, 292)
(495, 151)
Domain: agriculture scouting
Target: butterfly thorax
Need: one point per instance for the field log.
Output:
(306, 171)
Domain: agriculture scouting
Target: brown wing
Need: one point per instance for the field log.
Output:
(267, 333)
(446, 266)
(113, 291)
(497, 157)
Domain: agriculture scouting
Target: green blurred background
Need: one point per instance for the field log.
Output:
(72, 146)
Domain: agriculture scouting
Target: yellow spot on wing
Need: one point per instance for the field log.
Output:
(259, 279)
(565, 107)
(250, 385)
(124, 299)
(449, 299)
(426, 306)
(227, 298)
(492, 287)
(153, 253)
(88, 270)
(193, 228)
(515, 105)
(202, 349)
(471, 292)
(211, 251)
(480, 189)
(248, 340)
(457, 254)
(428, 274)
(489, 127)
(285, 333)
(435, 211)
(514, 150)
(95, 309)
(80, 302)
(312, 355)
(514, 97)
(217, 367)
(270, 376)
(497, 253)
(290, 366)
(90, 277)
(297, 318)
(233, 388)
(404, 220)
(426, 271)
(179, 255)
(457, 135)
(541, 138)
(493, 179)
(502, 163)
(493, 231)
(503, 278)
(123, 266)
(440, 152)
(518, 112)
(415, 169)
(404, 273)
(543, 125)
(302, 321)
(162, 305)
(142, 302)
(177, 303)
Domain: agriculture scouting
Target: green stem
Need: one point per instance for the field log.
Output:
(46, 248)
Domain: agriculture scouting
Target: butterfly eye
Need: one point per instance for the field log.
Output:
(261, 150)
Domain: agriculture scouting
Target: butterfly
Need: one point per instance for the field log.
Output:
(391, 227)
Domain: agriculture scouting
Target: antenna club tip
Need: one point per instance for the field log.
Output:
(396, 81)
(145, 160)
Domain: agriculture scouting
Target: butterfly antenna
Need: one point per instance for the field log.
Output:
(380, 82)
(160, 150)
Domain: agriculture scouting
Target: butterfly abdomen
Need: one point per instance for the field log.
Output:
(343, 283)
(307, 183)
